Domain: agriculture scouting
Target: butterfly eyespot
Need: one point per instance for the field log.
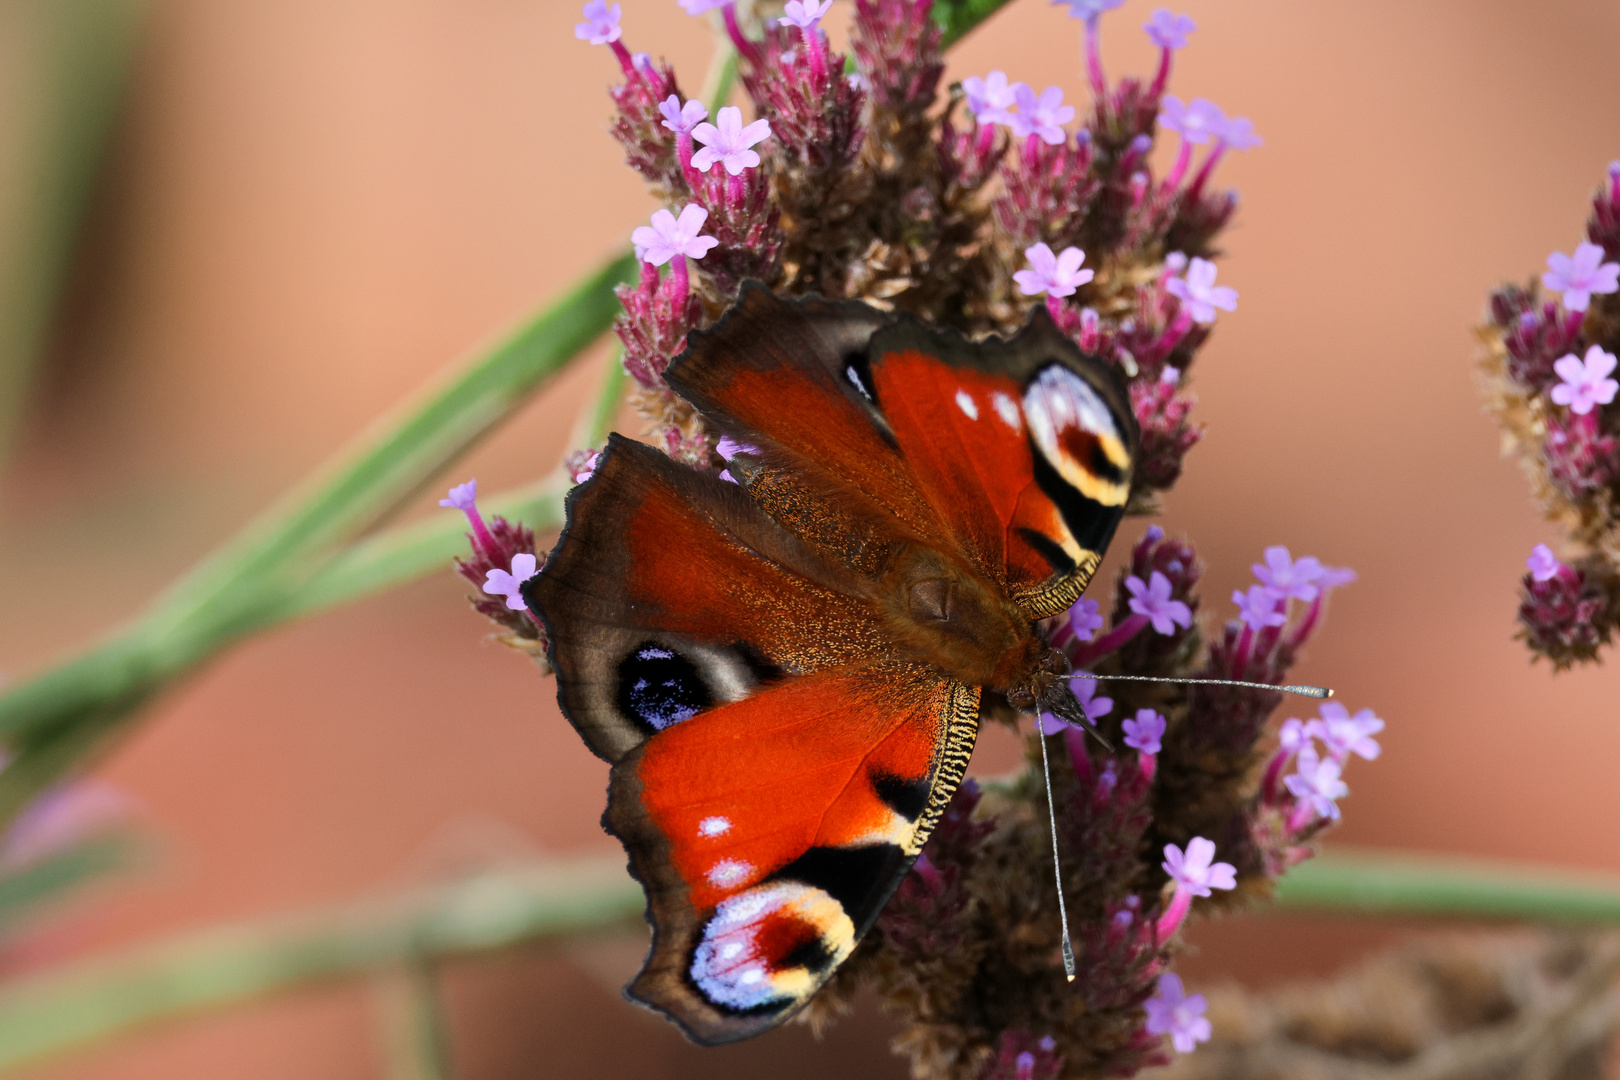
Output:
(762, 949)
(965, 402)
(659, 687)
(1078, 436)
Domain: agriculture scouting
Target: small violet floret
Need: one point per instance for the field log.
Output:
(1055, 275)
(1172, 1011)
(1145, 732)
(679, 118)
(601, 25)
(1151, 600)
(1580, 275)
(1198, 291)
(1585, 383)
(1344, 734)
(1089, 10)
(1542, 563)
(1043, 116)
(1292, 737)
(804, 13)
(1287, 579)
(702, 7)
(1238, 134)
(990, 99)
(1085, 618)
(1168, 30)
(1197, 123)
(462, 496)
(1258, 608)
(1317, 784)
(670, 236)
(510, 585)
(729, 143)
(1196, 872)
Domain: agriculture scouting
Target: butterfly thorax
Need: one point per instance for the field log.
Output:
(940, 612)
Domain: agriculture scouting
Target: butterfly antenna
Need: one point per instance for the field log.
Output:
(1321, 692)
(1057, 872)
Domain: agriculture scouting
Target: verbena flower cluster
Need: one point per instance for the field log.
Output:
(863, 177)
(1548, 368)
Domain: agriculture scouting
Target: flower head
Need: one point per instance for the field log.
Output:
(1152, 600)
(1317, 782)
(990, 99)
(1145, 732)
(1197, 123)
(1168, 30)
(1043, 116)
(679, 118)
(601, 25)
(1258, 608)
(1089, 10)
(510, 585)
(701, 7)
(1238, 134)
(1344, 734)
(462, 496)
(1173, 1012)
(1196, 872)
(1292, 737)
(1542, 563)
(729, 142)
(1580, 275)
(1055, 275)
(1585, 383)
(804, 13)
(1085, 618)
(670, 236)
(1199, 292)
(1285, 577)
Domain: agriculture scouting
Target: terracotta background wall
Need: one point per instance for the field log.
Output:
(315, 206)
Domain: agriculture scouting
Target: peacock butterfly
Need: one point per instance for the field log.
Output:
(786, 671)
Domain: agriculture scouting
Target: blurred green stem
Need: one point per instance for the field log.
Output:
(415, 1028)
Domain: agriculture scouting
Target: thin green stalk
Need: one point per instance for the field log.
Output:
(1371, 882)
(415, 1029)
(90, 1002)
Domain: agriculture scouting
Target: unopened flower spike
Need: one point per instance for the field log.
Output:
(1585, 383)
(1194, 873)
(1199, 293)
(1580, 275)
(1172, 1011)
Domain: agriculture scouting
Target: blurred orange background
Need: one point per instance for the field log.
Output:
(311, 208)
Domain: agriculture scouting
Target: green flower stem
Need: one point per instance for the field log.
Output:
(1378, 882)
(86, 1003)
(415, 1028)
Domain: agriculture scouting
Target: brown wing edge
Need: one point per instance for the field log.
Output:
(664, 984)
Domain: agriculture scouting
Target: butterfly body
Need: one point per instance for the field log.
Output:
(786, 671)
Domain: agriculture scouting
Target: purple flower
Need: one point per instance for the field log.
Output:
(1152, 601)
(1168, 30)
(1585, 383)
(1055, 275)
(990, 99)
(1145, 731)
(1171, 1011)
(462, 496)
(1085, 692)
(729, 143)
(700, 7)
(501, 583)
(804, 13)
(1335, 576)
(1089, 10)
(1317, 783)
(1292, 737)
(1085, 618)
(1542, 563)
(1258, 608)
(1200, 293)
(679, 118)
(1196, 873)
(1170, 376)
(1197, 123)
(1238, 134)
(670, 236)
(601, 25)
(1581, 275)
(1344, 734)
(1043, 116)
(1287, 578)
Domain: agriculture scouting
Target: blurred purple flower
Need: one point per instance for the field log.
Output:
(1043, 116)
(1317, 783)
(1258, 608)
(1173, 1012)
(1199, 292)
(1584, 384)
(1195, 872)
(1055, 275)
(1197, 123)
(601, 25)
(681, 119)
(1145, 732)
(1287, 578)
(1344, 734)
(1152, 600)
(1089, 10)
(990, 99)
(1168, 30)
(804, 13)
(1542, 563)
(1580, 275)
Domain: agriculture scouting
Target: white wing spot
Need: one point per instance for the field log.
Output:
(964, 401)
(751, 976)
(729, 872)
(731, 950)
(855, 377)
(1007, 409)
(714, 826)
